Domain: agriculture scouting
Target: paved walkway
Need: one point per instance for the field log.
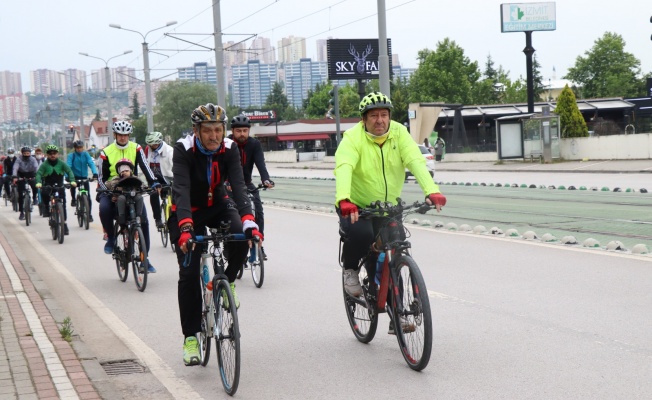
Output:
(35, 361)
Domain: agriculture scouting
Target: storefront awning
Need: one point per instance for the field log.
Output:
(315, 136)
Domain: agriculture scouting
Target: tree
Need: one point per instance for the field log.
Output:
(316, 104)
(98, 116)
(175, 101)
(571, 119)
(607, 70)
(140, 130)
(537, 79)
(444, 75)
(278, 101)
(135, 108)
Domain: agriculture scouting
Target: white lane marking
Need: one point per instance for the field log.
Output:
(178, 388)
(590, 165)
(52, 361)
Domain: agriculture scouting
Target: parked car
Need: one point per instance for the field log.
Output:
(430, 161)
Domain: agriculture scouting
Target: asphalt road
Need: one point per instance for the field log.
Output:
(512, 319)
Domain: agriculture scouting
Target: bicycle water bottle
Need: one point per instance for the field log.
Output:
(379, 267)
(205, 259)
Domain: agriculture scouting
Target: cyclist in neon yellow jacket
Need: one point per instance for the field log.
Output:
(370, 165)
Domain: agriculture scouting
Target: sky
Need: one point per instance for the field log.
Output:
(50, 33)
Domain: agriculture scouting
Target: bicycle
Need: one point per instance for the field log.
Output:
(255, 261)
(398, 288)
(219, 311)
(57, 220)
(82, 209)
(130, 242)
(166, 206)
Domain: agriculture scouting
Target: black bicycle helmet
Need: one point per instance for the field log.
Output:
(26, 149)
(77, 143)
(240, 121)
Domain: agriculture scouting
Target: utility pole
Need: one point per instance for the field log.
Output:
(219, 54)
(81, 115)
(383, 58)
(63, 128)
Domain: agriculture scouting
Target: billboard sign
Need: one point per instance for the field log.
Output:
(355, 58)
(523, 17)
(260, 115)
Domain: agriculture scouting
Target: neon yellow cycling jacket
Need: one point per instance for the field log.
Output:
(366, 172)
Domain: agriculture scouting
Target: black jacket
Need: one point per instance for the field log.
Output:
(190, 189)
(8, 166)
(251, 153)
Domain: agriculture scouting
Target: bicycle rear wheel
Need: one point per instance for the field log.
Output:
(27, 207)
(413, 325)
(257, 264)
(14, 199)
(120, 248)
(139, 261)
(164, 230)
(205, 334)
(363, 319)
(227, 336)
(61, 223)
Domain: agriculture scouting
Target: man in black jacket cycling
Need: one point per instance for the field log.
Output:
(201, 163)
(251, 153)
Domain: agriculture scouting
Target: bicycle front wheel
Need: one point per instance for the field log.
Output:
(363, 319)
(411, 313)
(27, 207)
(204, 337)
(120, 248)
(164, 230)
(86, 210)
(227, 336)
(53, 222)
(139, 261)
(61, 222)
(257, 264)
(79, 210)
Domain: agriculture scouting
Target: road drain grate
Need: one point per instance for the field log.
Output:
(122, 367)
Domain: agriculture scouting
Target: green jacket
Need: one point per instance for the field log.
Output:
(48, 174)
(366, 172)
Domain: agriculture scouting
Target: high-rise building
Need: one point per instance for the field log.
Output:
(402, 73)
(10, 83)
(199, 72)
(395, 59)
(122, 79)
(291, 49)
(14, 108)
(322, 49)
(234, 53)
(71, 78)
(45, 81)
(302, 76)
(252, 83)
(261, 49)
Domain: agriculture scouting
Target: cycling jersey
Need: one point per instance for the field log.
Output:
(199, 178)
(367, 172)
(251, 153)
(80, 162)
(25, 167)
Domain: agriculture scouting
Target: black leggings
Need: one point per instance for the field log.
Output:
(189, 291)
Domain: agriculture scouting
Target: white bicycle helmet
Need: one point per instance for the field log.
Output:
(123, 128)
(154, 138)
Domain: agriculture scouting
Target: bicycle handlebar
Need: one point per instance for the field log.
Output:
(213, 237)
(390, 210)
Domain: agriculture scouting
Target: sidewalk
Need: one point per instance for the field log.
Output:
(35, 361)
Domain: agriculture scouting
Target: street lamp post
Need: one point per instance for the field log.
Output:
(148, 85)
(107, 78)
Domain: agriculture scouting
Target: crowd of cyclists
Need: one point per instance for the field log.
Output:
(210, 175)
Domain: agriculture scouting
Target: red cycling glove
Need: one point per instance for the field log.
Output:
(347, 208)
(183, 239)
(250, 233)
(437, 199)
